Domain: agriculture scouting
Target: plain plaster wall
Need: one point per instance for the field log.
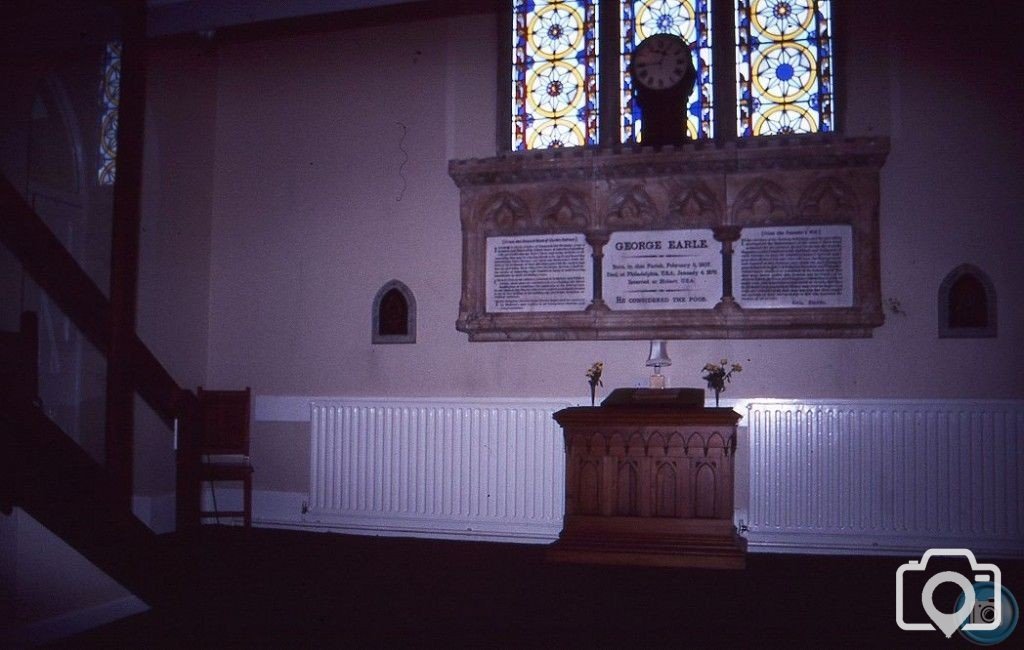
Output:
(312, 215)
(174, 237)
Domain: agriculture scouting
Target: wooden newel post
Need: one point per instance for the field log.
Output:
(124, 260)
(187, 462)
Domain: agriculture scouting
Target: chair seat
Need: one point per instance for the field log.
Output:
(224, 446)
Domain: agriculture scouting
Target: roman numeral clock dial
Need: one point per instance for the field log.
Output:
(663, 75)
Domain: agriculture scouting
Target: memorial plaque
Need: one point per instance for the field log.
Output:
(662, 269)
(528, 273)
(794, 267)
(539, 273)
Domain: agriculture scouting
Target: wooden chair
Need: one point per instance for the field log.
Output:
(224, 446)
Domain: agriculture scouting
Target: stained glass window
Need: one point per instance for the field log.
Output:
(783, 67)
(110, 95)
(554, 73)
(690, 19)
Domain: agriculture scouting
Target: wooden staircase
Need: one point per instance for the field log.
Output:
(45, 472)
(54, 480)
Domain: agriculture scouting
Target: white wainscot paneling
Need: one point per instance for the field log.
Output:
(881, 476)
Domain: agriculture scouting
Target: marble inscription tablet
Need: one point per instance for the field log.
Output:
(662, 269)
(794, 267)
(539, 273)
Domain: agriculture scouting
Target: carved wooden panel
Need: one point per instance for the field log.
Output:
(725, 187)
(649, 485)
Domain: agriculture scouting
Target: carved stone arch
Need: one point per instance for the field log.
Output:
(505, 211)
(761, 201)
(967, 304)
(827, 199)
(695, 204)
(564, 210)
(394, 314)
(630, 206)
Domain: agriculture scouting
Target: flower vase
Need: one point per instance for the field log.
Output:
(593, 392)
(717, 393)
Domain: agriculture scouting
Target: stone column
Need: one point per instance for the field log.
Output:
(727, 235)
(597, 240)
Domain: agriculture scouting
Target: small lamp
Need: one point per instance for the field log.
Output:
(658, 358)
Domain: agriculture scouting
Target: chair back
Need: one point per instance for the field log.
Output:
(224, 417)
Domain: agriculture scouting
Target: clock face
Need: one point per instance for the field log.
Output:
(661, 61)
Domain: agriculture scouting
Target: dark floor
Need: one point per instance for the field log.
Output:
(275, 588)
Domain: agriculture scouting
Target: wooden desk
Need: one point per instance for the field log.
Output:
(649, 486)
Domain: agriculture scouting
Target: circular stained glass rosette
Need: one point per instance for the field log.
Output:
(666, 17)
(785, 119)
(555, 133)
(785, 72)
(554, 88)
(112, 84)
(108, 139)
(556, 30)
(782, 18)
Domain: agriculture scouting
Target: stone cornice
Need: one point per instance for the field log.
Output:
(819, 151)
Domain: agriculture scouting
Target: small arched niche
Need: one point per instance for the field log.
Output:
(394, 314)
(967, 304)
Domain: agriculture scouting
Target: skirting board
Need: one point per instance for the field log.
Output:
(859, 545)
(820, 544)
(274, 509)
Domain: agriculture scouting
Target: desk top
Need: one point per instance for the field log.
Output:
(618, 416)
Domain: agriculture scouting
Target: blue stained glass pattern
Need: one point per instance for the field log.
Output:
(690, 19)
(110, 95)
(784, 67)
(554, 73)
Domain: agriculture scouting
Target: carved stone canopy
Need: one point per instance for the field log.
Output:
(731, 189)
